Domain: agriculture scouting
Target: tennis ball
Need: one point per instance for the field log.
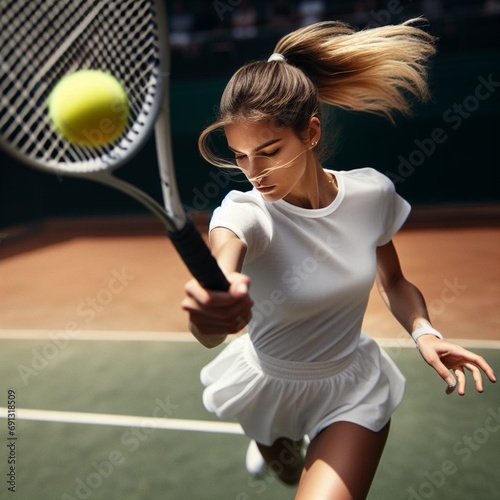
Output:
(89, 108)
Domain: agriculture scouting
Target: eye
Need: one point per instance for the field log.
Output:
(272, 153)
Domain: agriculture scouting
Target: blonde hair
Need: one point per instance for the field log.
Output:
(377, 70)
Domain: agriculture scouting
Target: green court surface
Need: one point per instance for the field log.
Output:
(441, 447)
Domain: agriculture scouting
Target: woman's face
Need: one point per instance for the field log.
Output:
(273, 158)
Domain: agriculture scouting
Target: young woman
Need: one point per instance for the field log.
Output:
(302, 250)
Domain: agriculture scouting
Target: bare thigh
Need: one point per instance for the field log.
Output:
(341, 462)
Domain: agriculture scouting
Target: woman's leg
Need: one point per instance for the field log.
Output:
(341, 462)
(284, 457)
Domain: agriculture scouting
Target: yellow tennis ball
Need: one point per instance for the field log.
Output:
(89, 108)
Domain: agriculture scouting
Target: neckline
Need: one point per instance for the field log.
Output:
(313, 213)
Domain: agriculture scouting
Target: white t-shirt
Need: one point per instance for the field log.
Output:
(312, 270)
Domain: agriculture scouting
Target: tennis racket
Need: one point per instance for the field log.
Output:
(44, 40)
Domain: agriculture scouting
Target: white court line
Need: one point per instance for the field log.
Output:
(409, 343)
(70, 417)
(138, 336)
(161, 423)
(97, 335)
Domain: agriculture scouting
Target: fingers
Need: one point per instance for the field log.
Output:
(237, 290)
(480, 362)
(476, 375)
(451, 382)
(433, 359)
(231, 323)
(227, 320)
(476, 365)
(461, 380)
(444, 356)
(219, 312)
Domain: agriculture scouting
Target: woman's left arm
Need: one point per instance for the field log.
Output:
(407, 304)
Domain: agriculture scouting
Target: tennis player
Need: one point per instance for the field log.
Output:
(302, 250)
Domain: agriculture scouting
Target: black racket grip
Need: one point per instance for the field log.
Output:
(197, 257)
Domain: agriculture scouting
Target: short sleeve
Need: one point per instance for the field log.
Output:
(394, 210)
(245, 214)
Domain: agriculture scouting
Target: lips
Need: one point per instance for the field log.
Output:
(265, 189)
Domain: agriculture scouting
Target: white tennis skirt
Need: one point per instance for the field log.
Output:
(273, 398)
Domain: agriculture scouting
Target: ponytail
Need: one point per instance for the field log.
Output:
(377, 70)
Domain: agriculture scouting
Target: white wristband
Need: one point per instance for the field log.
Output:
(425, 330)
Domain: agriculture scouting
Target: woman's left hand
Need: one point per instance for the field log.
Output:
(444, 356)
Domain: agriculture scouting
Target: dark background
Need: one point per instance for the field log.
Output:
(446, 154)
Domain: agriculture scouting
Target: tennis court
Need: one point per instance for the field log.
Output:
(100, 396)
(95, 356)
(157, 382)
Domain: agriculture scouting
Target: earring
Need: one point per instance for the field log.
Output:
(313, 144)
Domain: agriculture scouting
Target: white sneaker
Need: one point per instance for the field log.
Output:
(254, 461)
(305, 444)
(256, 465)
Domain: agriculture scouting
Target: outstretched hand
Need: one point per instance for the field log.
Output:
(447, 358)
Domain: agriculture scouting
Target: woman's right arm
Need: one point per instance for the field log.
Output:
(213, 315)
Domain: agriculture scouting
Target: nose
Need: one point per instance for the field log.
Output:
(255, 169)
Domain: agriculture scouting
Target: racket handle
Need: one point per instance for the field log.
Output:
(197, 257)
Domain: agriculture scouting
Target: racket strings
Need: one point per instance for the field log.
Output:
(48, 30)
(146, 59)
(34, 34)
(44, 40)
(30, 117)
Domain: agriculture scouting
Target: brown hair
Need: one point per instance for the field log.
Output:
(375, 70)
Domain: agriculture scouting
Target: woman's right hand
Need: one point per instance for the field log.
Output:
(218, 313)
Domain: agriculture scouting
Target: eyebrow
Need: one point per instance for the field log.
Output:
(262, 146)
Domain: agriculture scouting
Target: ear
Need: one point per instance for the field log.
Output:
(314, 130)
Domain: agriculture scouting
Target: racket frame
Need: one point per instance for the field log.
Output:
(180, 228)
